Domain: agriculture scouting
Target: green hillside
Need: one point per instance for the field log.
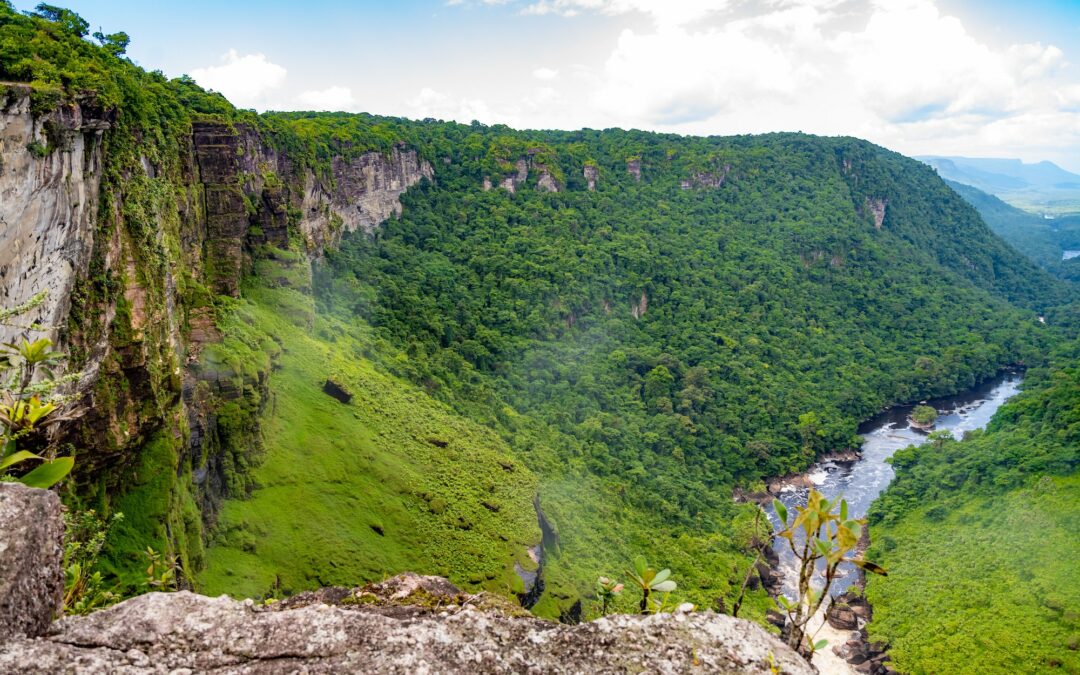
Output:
(716, 311)
(981, 539)
(1044, 240)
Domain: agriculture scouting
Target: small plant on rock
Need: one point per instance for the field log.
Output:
(27, 405)
(650, 581)
(161, 572)
(607, 590)
(84, 536)
(822, 536)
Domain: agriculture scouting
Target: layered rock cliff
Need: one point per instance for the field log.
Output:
(130, 244)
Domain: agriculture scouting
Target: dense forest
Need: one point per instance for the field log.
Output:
(1042, 239)
(578, 343)
(997, 512)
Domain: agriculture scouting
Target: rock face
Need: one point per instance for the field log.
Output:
(546, 182)
(592, 175)
(366, 191)
(31, 552)
(122, 263)
(706, 179)
(841, 617)
(521, 174)
(48, 203)
(162, 633)
(876, 208)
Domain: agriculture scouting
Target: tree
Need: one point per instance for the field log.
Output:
(68, 20)
(658, 384)
(817, 534)
(114, 43)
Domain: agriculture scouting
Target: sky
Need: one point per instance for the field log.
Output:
(981, 78)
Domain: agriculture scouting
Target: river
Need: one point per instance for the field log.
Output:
(861, 481)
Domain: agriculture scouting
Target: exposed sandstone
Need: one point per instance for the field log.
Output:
(706, 179)
(161, 632)
(47, 208)
(31, 551)
(876, 208)
(592, 176)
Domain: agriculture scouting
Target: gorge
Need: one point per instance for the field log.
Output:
(310, 350)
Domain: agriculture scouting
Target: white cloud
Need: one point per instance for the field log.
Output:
(663, 12)
(899, 72)
(334, 98)
(242, 79)
(543, 73)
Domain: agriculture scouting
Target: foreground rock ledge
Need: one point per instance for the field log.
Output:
(416, 625)
(31, 551)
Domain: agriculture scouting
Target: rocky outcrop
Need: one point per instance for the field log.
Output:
(591, 172)
(31, 552)
(876, 208)
(48, 205)
(633, 167)
(407, 624)
(128, 248)
(706, 179)
(432, 629)
(366, 191)
(546, 182)
(864, 656)
(841, 617)
(520, 175)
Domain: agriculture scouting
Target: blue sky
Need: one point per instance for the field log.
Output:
(980, 78)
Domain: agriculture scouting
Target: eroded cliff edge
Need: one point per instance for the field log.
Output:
(131, 232)
(406, 624)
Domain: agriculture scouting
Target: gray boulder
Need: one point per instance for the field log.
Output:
(407, 624)
(31, 556)
(185, 632)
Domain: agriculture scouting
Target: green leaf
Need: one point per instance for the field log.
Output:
(665, 586)
(640, 566)
(822, 547)
(16, 457)
(49, 473)
(820, 644)
(856, 529)
(871, 567)
(781, 511)
(843, 509)
(661, 576)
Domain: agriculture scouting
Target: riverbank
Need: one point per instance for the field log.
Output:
(860, 477)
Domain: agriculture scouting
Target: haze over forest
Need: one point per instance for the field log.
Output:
(761, 319)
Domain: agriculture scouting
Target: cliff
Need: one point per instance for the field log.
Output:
(130, 242)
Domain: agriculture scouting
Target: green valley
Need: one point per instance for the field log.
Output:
(311, 349)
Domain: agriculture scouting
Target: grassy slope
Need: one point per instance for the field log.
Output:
(334, 472)
(999, 597)
(327, 477)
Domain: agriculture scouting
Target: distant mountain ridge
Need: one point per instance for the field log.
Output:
(1040, 186)
(1044, 240)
